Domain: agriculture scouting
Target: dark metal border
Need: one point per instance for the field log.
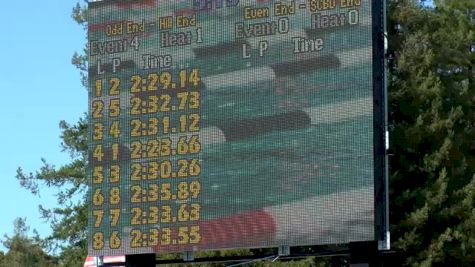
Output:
(380, 119)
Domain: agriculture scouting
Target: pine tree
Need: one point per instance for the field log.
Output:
(24, 250)
(69, 219)
(432, 96)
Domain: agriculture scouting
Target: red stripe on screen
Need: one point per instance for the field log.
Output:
(244, 228)
(184, 11)
(145, 3)
(251, 228)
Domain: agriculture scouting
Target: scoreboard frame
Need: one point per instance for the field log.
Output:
(380, 139)
(381, 136)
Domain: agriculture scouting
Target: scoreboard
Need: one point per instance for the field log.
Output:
(219, 124)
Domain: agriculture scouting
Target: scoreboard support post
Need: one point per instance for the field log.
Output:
(364, 254)
(140, 260)
(188, 256)
(284, 251)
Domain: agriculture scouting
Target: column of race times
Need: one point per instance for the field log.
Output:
(145, 160)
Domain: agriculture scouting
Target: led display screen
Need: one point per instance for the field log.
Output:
(230, 124)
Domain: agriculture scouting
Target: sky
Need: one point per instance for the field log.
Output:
(39, 87)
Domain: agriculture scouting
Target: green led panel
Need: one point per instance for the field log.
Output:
(229, 124)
